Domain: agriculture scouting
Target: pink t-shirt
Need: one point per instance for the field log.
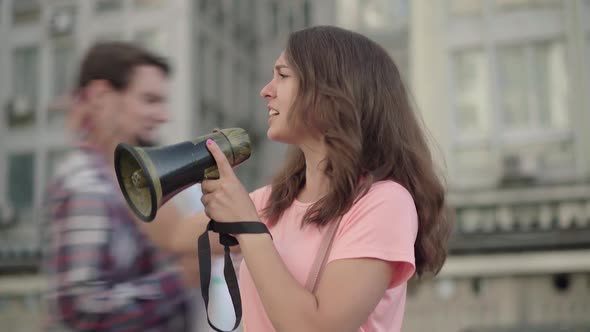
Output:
(382, 225)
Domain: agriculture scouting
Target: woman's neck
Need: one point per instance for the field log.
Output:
(316, 181)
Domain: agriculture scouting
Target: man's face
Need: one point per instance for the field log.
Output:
(144, 106)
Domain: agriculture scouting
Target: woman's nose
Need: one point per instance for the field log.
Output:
(268, 91)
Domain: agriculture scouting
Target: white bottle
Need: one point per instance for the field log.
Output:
(221, 309)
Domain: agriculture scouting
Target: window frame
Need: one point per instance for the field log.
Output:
(490, 31)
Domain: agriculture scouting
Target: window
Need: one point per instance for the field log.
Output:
(274, 13)
(533, 86)
(203, 5)
(64, 60)
(291, 20)
(587, 61)
(511, 95)
(62, 81)
(371, 14)
(20, 181)
(401, 8)
(26, 12)
(514, 86)
(509, 5)
(149, 3)
(465, 7)
(587, 65)
(384, 14)
(529, 125)
(251, 13)
(307, 8)
(552, 84)
(110, 36)
(107, 6)
(236, 10)
(472, 104)
(376, 14)
(152, 39)
(219, 14)
(25, 78)
(347, 13)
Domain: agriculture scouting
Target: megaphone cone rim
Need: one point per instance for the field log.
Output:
(119, 150)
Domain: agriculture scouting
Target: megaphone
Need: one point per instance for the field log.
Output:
(149, 177)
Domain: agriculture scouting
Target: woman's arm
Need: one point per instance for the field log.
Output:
(343, 300)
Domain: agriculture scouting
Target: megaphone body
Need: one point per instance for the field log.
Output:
(149, 177)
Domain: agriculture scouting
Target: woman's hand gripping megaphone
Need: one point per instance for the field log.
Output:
(225, 199)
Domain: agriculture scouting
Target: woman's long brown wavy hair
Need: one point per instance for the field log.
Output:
(350, 91)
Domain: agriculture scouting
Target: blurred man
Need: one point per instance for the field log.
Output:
(105, 273)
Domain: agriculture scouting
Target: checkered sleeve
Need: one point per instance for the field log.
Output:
(88, 295)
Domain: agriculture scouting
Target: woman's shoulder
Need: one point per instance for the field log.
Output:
(385, 212)
(262, 191)
(388, 190)
(260, 196)
(384, 197)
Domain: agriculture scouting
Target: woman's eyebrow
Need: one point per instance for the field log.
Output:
(278, 67)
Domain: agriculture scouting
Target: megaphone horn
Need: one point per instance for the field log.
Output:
(149, 177)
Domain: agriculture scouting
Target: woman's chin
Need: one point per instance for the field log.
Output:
(271, 135)
(275, 136)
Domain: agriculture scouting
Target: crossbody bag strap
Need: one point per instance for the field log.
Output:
(321, 256)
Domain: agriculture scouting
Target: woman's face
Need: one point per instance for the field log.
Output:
(279, 94)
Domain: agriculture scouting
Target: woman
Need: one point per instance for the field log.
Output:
(359, 157)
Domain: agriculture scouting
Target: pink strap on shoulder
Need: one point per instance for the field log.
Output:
(321, 256)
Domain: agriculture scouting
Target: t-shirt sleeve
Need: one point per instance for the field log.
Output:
(260, 198)
(381, 225)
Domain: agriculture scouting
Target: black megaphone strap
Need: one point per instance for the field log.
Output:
(224, 230)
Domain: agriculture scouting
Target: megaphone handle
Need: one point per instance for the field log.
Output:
(224, 229)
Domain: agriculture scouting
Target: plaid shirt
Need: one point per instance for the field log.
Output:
(104, 275)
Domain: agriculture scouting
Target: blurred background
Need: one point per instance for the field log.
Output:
(502, 85)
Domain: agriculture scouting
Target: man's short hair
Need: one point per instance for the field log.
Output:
(114, 61)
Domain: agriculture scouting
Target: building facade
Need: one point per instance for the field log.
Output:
(503, 87)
